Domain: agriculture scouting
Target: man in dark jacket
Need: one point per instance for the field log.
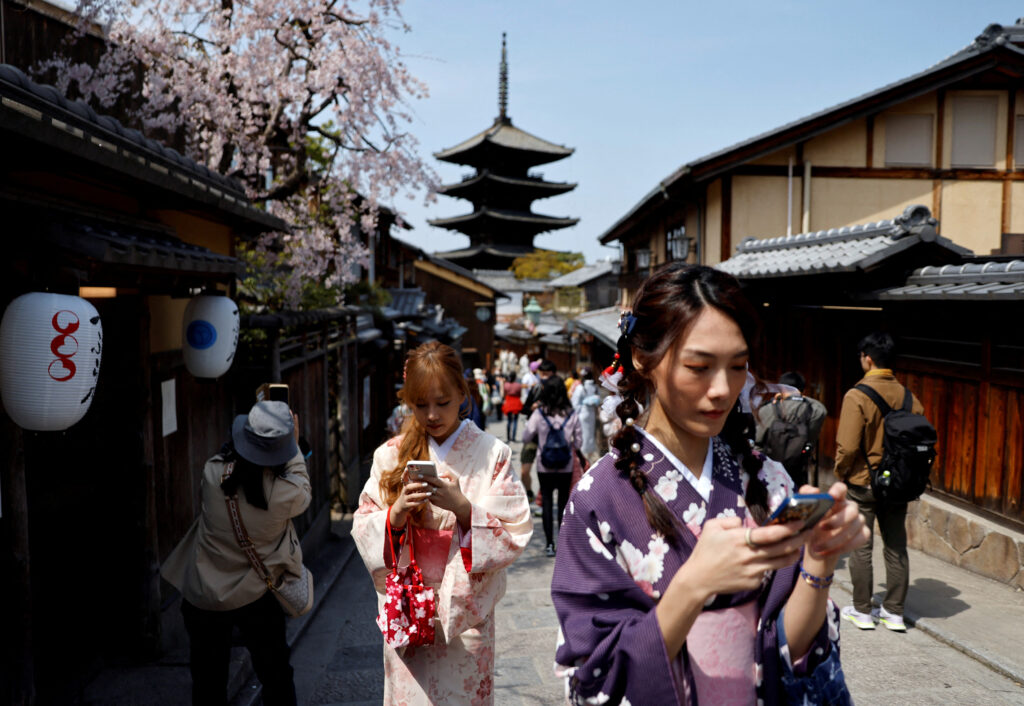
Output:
(858, 443)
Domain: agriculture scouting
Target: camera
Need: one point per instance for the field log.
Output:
(272, 391)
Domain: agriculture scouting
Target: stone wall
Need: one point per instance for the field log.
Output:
(954, 535)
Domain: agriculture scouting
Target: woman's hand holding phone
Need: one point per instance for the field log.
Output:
(841, 530)
(414, 493)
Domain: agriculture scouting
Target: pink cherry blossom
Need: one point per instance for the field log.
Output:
(304, 102)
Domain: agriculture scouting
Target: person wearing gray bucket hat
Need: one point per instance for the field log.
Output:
(263, 473)
(266, 436)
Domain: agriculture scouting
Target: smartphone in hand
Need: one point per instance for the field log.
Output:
(421, 468)
(809, 507)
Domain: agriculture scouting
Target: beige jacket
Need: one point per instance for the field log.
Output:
(860, 424)
(208, 566)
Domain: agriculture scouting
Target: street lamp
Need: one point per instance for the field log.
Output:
(532, 310)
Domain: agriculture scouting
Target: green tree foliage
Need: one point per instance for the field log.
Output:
(545, 264)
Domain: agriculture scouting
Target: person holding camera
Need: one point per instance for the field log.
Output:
(262, 467)
(446, 488)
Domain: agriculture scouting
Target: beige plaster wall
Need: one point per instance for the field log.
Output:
(1017, 207)
(927, 103)
(845, 146)
(199, 231)
(713, 227)
(972, 214)
(759, 207)
(165, 323)
(844, 202)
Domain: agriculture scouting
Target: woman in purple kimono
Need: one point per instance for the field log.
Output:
(668, 590)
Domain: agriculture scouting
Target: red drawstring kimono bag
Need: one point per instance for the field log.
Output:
(407, 616)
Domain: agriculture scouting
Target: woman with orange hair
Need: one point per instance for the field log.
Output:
(468, 523)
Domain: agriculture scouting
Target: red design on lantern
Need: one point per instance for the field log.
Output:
(64, 359)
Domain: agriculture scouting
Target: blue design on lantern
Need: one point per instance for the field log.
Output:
(201, 334)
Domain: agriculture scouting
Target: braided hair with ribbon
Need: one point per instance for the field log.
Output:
(664, 306)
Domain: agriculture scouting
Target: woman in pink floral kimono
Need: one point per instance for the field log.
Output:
(468, 524)
(667, 589)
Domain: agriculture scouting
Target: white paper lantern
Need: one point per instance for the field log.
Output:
(209, 335)
(50, 351)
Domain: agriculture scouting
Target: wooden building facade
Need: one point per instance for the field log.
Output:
(953, 317)
(950, 137)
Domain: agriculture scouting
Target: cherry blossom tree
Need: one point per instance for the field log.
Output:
(305, 102)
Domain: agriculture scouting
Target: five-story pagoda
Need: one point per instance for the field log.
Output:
(501, 226)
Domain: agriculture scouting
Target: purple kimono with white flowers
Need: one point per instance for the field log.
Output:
(612, 568)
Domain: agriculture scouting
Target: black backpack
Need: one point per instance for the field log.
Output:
(556, 453)
(788, 439)
(908, 442)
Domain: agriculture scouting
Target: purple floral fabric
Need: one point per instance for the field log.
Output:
(612, 569)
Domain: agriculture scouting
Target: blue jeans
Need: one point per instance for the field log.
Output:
(511, 424)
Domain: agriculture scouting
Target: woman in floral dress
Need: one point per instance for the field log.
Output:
(469, 523)
(667, 589)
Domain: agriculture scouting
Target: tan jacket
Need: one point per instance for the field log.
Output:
(208, 566)
(860, 425)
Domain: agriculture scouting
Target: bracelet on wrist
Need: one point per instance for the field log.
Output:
(815, 581)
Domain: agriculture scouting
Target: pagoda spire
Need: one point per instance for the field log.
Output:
(503, 83)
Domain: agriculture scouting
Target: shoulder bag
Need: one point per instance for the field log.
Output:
(407, 616)
(294, 593)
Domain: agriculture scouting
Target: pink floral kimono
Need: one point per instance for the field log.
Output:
(466, 569)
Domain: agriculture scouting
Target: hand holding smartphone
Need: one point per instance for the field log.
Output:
(809, 507)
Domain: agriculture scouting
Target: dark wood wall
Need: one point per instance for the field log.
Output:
(964, 361)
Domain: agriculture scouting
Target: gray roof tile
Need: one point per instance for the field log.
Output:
(836, 250)
(985, 280)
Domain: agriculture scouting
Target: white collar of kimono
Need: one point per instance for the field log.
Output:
(441, 450)
(703, 484)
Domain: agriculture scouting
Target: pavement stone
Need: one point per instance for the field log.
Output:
(963, 646)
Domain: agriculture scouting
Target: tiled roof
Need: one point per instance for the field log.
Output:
(42, 113)
(984, 280)
(505, 281)
(405, 303)
(603, 323)
(582, 275)
(847, 249)
(504, 134)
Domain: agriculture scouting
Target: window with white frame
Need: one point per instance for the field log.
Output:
(974, 131)
(677, 245)
(908, 140)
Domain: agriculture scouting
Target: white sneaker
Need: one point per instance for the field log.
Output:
(889, 620)
(861, 620)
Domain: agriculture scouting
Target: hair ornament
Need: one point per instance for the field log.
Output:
(629, 421)
(627, 322)
(635, 448)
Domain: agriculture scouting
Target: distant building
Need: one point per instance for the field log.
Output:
(501, 226)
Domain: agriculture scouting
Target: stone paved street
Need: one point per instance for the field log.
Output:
(338, 659)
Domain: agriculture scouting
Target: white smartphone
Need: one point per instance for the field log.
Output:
(422, 468)
(810, 508)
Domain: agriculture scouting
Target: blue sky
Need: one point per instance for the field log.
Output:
(641, 88)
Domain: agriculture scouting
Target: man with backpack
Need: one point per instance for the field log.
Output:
(863, 447)
(788, 426)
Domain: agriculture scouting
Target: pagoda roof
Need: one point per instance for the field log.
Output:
(478, 183)
(503, 136)
(491, 218)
